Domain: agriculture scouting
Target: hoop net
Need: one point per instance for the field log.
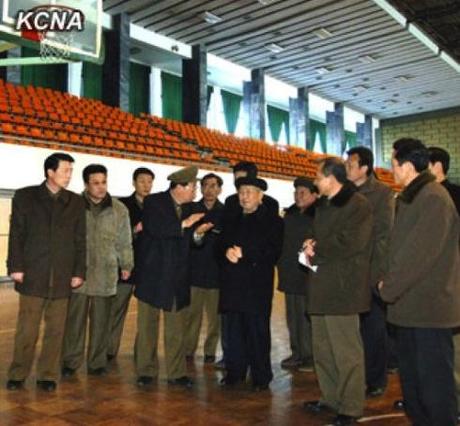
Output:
(55, 46)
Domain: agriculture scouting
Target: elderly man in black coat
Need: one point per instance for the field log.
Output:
(249, 248)
(232, 208)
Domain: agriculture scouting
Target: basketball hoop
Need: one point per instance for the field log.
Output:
(57, 47)
(54, 31)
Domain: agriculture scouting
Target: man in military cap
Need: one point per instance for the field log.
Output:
(164, 247)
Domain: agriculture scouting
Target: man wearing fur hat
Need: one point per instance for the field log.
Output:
(249, 248)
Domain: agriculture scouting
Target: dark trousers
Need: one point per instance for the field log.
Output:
(375, 341)
(224, 335)
(426, 368)
(249, 345)
(299, 326)
(32, 310)
(118, 311)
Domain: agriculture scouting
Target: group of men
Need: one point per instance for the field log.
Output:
(76, 259)
(376, 262)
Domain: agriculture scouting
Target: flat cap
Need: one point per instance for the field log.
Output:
(251, 181)
(184, 175)
(305, 182)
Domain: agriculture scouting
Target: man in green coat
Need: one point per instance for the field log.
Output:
(108, 236)
(360, 171)
(422, 287)
(339, 291)
(46, 259)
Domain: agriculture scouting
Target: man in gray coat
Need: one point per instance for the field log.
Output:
(422, 287)
(360, 170)
(46, 259)
(108, 236)
(339, 291)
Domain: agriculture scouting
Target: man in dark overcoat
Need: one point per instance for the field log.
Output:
(422, 287)
(46, 259)
(142, 181)
(339, 291)
(232, 209)
(298, 223)
(161, 276)
(439, 166)
(249, 249)
(360, 171)
(204, 274)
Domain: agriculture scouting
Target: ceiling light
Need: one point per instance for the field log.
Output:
(451, 61)
(421, 36)
(388, 8)
(322, 33)
(323, 70)
(429, 93)
(360, 88)
(367, 59)
(404, 78)
(265, 2)
(210, 18)
(273, 47)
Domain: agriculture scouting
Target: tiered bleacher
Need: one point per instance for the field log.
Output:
(44, 117)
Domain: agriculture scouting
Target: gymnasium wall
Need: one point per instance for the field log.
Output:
(23, 166)
(439, 128)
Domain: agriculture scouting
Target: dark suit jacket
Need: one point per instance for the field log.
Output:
(163, 254)
(204, 269)
(47, 241)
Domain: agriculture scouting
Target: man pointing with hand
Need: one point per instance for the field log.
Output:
(168, 231)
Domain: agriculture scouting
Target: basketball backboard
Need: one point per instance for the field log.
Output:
(82, 44)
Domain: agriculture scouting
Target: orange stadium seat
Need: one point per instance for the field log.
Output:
(50, 116)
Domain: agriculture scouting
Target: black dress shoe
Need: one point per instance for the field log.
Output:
(229, 381)
(97, 371)
(316, 407)
(67, 372)
(398, 404)
(374, 391)
(144, 381)
(46, 385)
(343, 420)
(14, 384)
(182, 381)
(209, 359)
(260, 387)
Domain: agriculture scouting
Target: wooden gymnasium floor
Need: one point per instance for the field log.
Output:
(115, 400)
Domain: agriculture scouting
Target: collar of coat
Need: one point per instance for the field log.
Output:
(106, 202)
(217, 205)
(369, 185)
(342, 197)
(63, 195)
(310, 211)
(415, 187)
